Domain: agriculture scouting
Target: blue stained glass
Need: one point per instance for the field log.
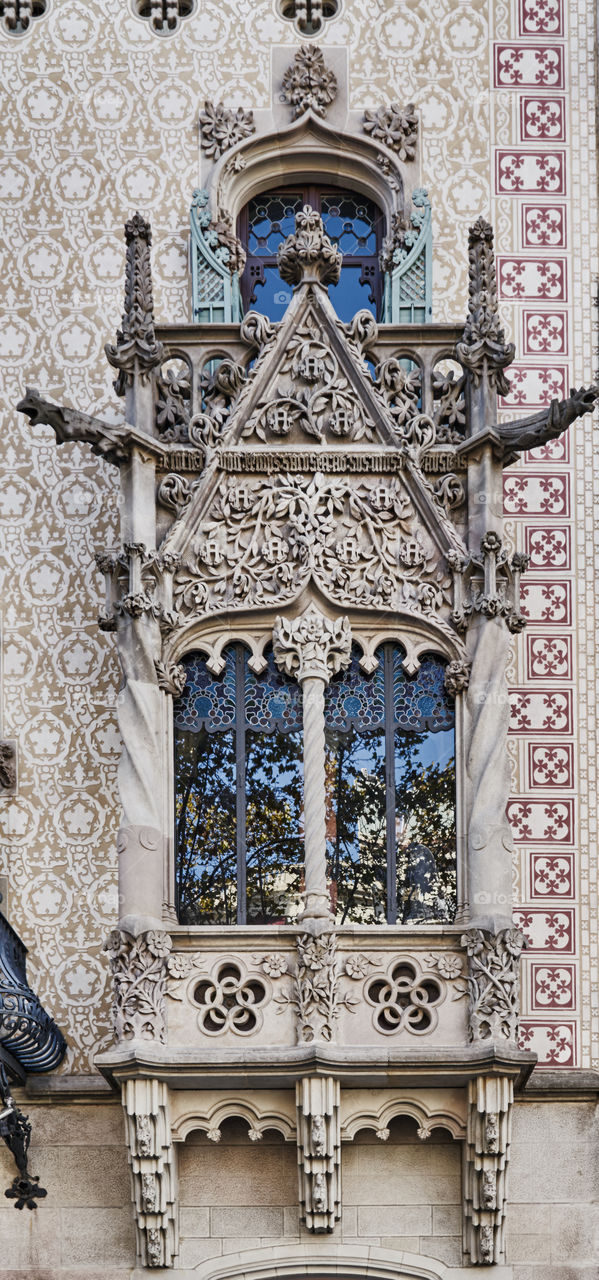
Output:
(207, 701)
(272, 700)
(355, 700)
(420, 702)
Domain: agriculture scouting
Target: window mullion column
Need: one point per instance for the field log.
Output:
(391, 844)
(313, 648)
(240, 772)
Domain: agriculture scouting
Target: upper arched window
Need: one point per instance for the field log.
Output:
(389, 790)
(353, 222)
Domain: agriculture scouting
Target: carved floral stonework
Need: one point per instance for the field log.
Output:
(139, 967)
(396, 127)
(315, 992)
(222, 128)
(457, 676)
(263, 540)
(312, 645)
(308, 84)
(494, 983)
(308, 253)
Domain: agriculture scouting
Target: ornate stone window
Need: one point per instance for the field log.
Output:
(308, 16)
(353, 223)
(388, 787)
(164, 16)
(16, 15)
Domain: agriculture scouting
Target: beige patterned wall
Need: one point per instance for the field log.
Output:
(101, 118)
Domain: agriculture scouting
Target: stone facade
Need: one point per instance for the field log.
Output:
(399, 1172)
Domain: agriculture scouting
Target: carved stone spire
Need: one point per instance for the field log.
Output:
(483, 349)
(308, 256)
(136, 349)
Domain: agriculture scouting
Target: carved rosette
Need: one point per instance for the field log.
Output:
(308, 254)
(494, 983)
(319, 1152)
(308, 84)
(136, 349)
(139, 969)
(483, 349)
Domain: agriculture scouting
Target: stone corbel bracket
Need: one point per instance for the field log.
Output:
(486, 1155)
(488, 584)
(153, 1171)
(319, 1152)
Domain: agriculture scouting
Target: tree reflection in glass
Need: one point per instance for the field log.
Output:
(390, 780)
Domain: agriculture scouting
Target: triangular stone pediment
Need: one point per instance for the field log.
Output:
(311, 482)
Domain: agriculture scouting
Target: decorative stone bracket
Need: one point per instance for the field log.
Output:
(488, 584)
(319, 1151)
(153, 1171)
(486, 1154)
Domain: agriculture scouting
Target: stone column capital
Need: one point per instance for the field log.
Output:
(312, 646)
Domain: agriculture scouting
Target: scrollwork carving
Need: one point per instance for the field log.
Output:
(262, 540)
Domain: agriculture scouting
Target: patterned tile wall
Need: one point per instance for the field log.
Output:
(100, 118)
(543, 146)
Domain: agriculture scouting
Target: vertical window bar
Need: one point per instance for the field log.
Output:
(390, 785)
(240, 782)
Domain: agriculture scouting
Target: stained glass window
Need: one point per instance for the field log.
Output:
(389, 786)
(352, 221)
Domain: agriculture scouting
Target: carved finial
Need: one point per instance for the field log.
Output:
(308, 255)
(312, 645)
(483, 349)
(136, 348)
(308, 84)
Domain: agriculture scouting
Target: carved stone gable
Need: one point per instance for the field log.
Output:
(313, 474)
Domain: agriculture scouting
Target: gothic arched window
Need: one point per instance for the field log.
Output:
(353, 222)
(389, 789)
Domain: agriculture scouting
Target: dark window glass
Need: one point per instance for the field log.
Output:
(390, 780)
(389, 785)
(352, 221)
(238, 767)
